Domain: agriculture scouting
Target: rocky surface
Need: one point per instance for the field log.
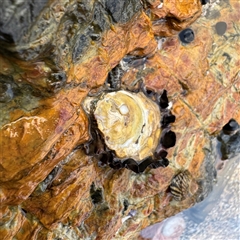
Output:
(53, 54)
(206, 219)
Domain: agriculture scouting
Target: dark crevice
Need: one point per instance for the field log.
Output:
(47, 182)
(24, 212)
(113, 81)
(96, 194)
(184, 87)
(125, 205)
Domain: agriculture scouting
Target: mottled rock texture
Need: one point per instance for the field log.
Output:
(52, 55)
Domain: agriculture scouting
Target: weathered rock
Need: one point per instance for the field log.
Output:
(49, 187)
(16, 19)
(230, 145)
(38, 143)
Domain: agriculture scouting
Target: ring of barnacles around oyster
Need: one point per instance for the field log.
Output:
(130, 129)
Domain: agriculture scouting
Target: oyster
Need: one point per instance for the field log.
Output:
(130, 129)
(130, 123)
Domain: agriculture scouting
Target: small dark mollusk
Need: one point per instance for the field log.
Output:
(168, 139)
(231, 127)
(159, 152)
(186, 36)
(205, 2)
(183, 186)
(106, 158)
(168, 119)
(221, 28)
(137, 166)
(147, 162)
(163, 100)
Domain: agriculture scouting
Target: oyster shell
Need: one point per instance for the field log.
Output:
(130, 123)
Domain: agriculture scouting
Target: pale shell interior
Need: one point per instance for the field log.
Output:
(130, 123)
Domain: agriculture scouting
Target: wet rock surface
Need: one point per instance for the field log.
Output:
(17, 18)
(50, 187)
(230, 145)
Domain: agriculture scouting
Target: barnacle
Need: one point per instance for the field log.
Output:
(183, 186)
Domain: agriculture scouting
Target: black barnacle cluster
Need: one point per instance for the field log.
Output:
(97, 148)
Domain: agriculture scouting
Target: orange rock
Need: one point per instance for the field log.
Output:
(45, 171)
(176, 8)
(174, 15)
(67, 194)
(92, 71)
(11, 220)
(38, 143)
